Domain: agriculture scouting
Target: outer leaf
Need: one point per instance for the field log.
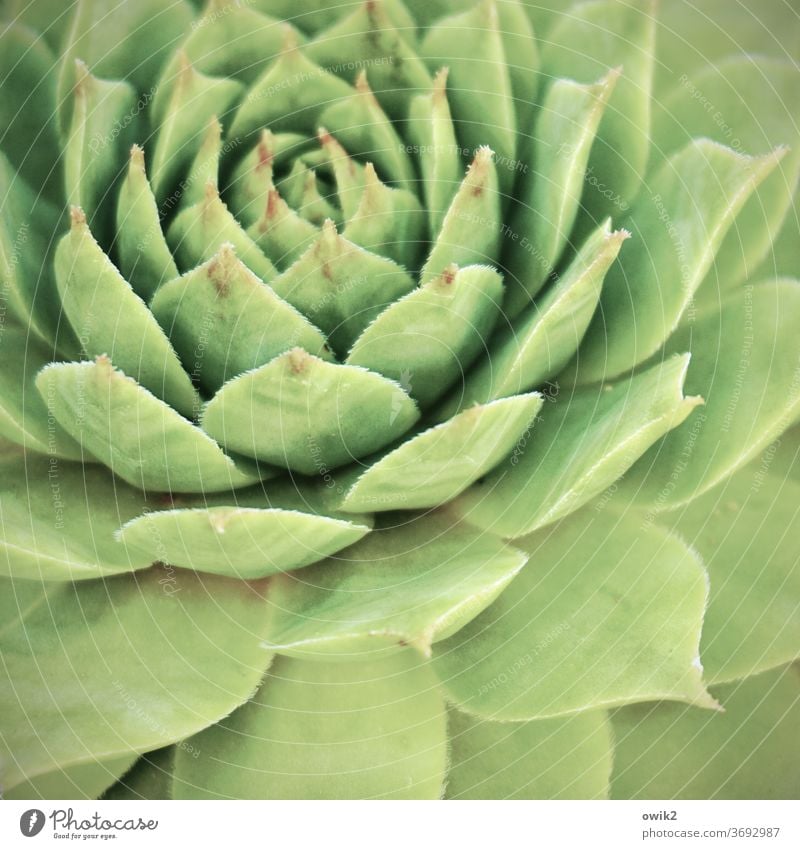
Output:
(748, 752)
(27, 227)
(440, 463)
(325, 731)
(82, 781)
(583, 45)
(27, 102)
(549, 196)
(582, 444)
(412, 584)
(690, 35)
(186, 651)
(471, 45)
(567, 758)
(118, 39)
(58, 521)
(149, 778)
(606, 613)
(744, 363)
(746, 529)
(678, 226)
(719, 103)
(23, 412)
(137, 436)
(322, 415)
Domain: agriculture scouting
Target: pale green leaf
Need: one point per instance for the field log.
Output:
(58, 520)
(582, 443)
(137, 436)
(564, 758)
(745, 530)
(607, 612)
(325, 731)
(750, 751)
(321, 415)
(110, 319)
(745, 362)
(440, 463)
(678, 224)
(409, 584)
(125, 663)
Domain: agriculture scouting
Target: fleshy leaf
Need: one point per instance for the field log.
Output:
(223, 321)
(581, 445)
(754, 124)
(82, 781)
(94, 142)
(120, 40)
(430, 125)
(230, 40)
(609, 34)
(58, 521)
(387, 221)
(564, 758)
(239, 540)
(325, 731)
(549, 197)
(745, 530)
(409, 584)
(99, 303)
(27, 102)
(470, 231)
(27, 228)
(186, 651)
(197, 233)
(608, 612)
(677, 227)
(137, 436)
(195, 98)
(144, 258)
(281, 233)
(440, 327)
(470, 44)
(750, 751)
(440, 463)
(542, 340)
(290, 95)
(369, 33)
(23, 413)
(149, 778)
(341, 287)
(362, 127)
(321, 415)
(744, 363)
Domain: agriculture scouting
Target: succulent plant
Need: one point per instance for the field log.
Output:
(399, 400)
